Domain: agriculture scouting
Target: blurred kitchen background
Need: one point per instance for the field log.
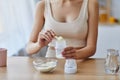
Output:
(16, 20)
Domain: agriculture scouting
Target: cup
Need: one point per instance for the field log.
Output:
(111, 62)
(3, 57)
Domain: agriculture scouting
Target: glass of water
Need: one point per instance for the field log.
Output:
(111, 62)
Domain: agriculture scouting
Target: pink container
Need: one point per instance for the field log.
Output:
(3, 57)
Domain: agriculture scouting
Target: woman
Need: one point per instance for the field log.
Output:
(75, 20)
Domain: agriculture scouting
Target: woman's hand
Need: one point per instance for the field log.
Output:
(45, 38)
(70, 52)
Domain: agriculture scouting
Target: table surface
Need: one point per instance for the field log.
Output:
(21, 68)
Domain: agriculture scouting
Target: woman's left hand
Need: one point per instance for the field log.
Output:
(70, 52)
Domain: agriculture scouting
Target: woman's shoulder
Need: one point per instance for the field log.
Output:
(93, 2)
(93, 5)
(41, 4)
(40, 8)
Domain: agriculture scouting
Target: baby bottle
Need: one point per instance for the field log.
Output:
(60, 45)
(70, 66)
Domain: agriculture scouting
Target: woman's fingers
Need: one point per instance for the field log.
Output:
(48, 35)
(68, 56)
(69, 50)
(52, 33)
(47, 38)
(43, 37)
(72, 55)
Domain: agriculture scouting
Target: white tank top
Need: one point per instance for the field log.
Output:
(75, 32)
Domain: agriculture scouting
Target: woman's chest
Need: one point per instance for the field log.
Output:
(66, 13)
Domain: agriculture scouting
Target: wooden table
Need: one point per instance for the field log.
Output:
(21, 68)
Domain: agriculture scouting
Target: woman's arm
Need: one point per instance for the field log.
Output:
(90, 47)
(33, 45)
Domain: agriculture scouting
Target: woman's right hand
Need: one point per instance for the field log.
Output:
(45, 38)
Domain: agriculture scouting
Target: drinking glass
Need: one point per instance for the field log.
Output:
(111, 62)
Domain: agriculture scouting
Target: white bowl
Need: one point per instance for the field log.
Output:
(45, 64)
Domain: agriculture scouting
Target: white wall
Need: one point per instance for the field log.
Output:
(116, 8)
(108, 37)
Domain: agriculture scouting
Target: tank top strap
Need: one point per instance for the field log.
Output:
(86, 8)
(47, 8)
(86, 4)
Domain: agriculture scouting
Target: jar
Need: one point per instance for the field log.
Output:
(103, 16)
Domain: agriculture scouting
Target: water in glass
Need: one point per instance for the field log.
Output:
(111, 63)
